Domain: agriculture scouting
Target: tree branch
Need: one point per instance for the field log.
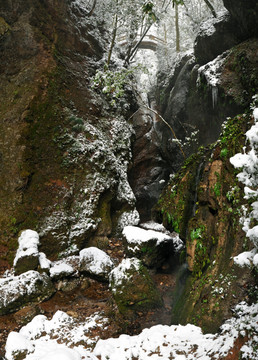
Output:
(165, 122)
(210, 6)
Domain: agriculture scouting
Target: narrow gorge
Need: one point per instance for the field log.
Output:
(128, 187)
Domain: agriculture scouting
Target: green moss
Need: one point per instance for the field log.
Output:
(137, 294)
(232, 136)
(4, 27)
(176, 202)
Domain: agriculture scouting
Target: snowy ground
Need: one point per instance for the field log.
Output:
(64, 338)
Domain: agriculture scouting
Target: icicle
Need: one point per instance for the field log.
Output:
(214, 94)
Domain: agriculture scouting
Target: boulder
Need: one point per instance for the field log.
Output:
(65, 268)
(61, 270)
(96, 263)
(27, 288)
(27, 255)
(133, 288)
(208, 44)
(152, 247)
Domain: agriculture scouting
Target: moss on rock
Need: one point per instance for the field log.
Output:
(132, 287)
(212, 231)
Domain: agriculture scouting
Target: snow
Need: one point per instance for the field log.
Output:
(245, 258)
(128, 218)
(28, 244)
(248, 163)
(208, 27)
(58, 338)
(95, 261)
(17, 343)
(120, 273)
(181, 342)
(212, 72)
(152, 225)
(134, 235)
(23, 284)
(61, 269)
(16, 290)
(61, 354)
(44, 262)
(62, 338)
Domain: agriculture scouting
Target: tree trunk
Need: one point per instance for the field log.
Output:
(177, 29)
(93, 8)
(112, 41)
(135, 48)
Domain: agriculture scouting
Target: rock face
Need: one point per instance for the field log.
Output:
(64, 153)
(16, 292)
(244, 15)
(132, 287)
(191, 102)
(204, 204)
(228, 30)
(149, 170)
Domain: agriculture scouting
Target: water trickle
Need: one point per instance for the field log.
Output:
(214, 94)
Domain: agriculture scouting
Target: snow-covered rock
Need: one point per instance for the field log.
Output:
(27, 255)
(132, 287)
(17, 291)
(61, 270)
(96, 263)
(152, 247)
(65, 268)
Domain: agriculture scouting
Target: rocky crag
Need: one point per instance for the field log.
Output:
(64, 152)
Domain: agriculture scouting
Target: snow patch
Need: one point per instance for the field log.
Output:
(28, 245)
(61, 269)
(212, 72)
(64, 336)
(58, 338)
(245, 258)
(248, 163)
(136, 235)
